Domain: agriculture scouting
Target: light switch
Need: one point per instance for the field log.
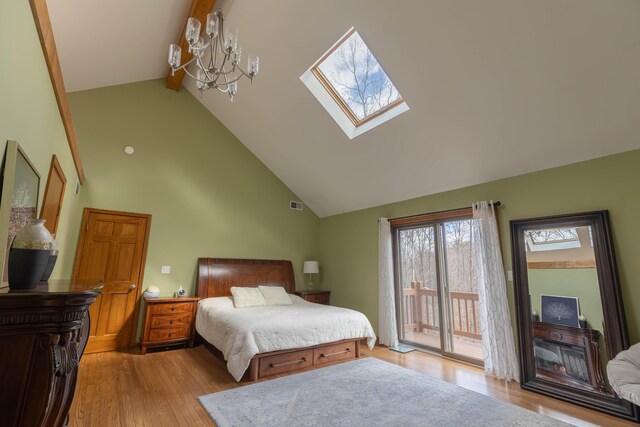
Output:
(510, 275)
(166, 269)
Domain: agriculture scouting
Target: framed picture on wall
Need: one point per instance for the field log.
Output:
(19, 183)
(559, 310)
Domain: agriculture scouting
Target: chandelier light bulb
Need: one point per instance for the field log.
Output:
(230, 39)
(192, 34)
(253, 65)
(199, 44)
(175, 55)
(237, 55)
(201, 80)
(212, 26)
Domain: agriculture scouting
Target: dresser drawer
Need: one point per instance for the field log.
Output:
(170, 308)
(168, 334)
(335, 352)
(171, 320)
(277, 364)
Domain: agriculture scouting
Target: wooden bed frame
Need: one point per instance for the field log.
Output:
(216, 276)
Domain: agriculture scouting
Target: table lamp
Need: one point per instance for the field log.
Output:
(310, 267)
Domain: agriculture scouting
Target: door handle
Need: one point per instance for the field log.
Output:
(132, 287)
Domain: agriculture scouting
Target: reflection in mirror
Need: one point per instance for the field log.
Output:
(569, 307)
(565, 302)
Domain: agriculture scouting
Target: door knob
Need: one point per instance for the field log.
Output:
(132, 287)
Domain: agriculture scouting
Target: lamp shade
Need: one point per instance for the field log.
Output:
(310, 267)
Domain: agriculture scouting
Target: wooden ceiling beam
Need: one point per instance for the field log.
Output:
(199, 10)
(45, 32)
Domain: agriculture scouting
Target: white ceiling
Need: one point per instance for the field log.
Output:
(110, 42)
(496, 88)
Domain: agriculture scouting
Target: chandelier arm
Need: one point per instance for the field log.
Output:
(203, 68)
(235, 79)
(185, 65)
(221, 70)
(215, 46)
(193, 58)
(194, 77)
(244, 73)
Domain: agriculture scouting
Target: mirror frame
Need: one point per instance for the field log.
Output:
(616, 336)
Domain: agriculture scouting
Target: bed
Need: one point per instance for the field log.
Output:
(272, 340)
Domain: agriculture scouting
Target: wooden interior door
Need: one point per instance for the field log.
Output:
(113, 248)
(53, 195)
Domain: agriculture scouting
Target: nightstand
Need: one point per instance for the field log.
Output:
(169, 321)
(318, 296)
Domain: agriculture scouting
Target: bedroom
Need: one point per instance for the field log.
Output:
(217, 177)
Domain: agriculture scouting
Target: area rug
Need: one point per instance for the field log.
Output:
(364, 392)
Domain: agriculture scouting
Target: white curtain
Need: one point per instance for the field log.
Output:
(387, 328)
(495, 322)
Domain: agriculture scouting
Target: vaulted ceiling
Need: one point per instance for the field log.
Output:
(496, 87)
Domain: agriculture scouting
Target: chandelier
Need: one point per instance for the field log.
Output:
(222, 68)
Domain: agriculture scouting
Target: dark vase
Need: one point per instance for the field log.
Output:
(29, 255)
(51, 262)
(53, 257)
(26, 267)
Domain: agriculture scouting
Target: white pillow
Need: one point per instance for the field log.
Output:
(247, 297)
(275, 295)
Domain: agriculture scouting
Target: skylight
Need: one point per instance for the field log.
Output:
(351, 84)
(552, 239)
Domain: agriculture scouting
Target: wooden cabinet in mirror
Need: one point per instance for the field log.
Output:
(570, 314)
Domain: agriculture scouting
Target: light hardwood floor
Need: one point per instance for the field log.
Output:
(161, 389)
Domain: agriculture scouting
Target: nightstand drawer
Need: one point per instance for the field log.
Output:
(170, 308)
(169, 321)
(318, 298)
(167, 334)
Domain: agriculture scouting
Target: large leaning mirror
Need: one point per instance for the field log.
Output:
(570, 314)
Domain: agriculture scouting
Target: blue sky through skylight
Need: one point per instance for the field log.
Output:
(358, 78)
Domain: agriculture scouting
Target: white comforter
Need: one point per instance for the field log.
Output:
(241, 333)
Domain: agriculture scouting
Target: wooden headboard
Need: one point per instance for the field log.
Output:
(216, 276)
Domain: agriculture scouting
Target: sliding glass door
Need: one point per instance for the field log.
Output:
(417, 286)
(436, 287)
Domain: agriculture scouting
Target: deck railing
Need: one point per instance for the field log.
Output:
(421, 311)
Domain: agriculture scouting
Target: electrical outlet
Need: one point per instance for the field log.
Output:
(510, 275)
(166, 269)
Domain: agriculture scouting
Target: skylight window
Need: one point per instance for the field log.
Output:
(552, 239)
(352, 86)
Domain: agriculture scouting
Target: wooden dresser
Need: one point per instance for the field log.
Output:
(169, 321)
(43, 333)
(318, 296)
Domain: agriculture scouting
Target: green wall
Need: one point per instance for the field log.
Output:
(29, 114)
(349, 242)
(209, 196)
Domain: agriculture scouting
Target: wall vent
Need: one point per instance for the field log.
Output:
(296, 205)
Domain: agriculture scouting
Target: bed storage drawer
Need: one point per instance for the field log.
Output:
(333, 353)
(279, 363)
(169, 333)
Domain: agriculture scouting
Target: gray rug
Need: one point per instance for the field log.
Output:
(364, 392)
